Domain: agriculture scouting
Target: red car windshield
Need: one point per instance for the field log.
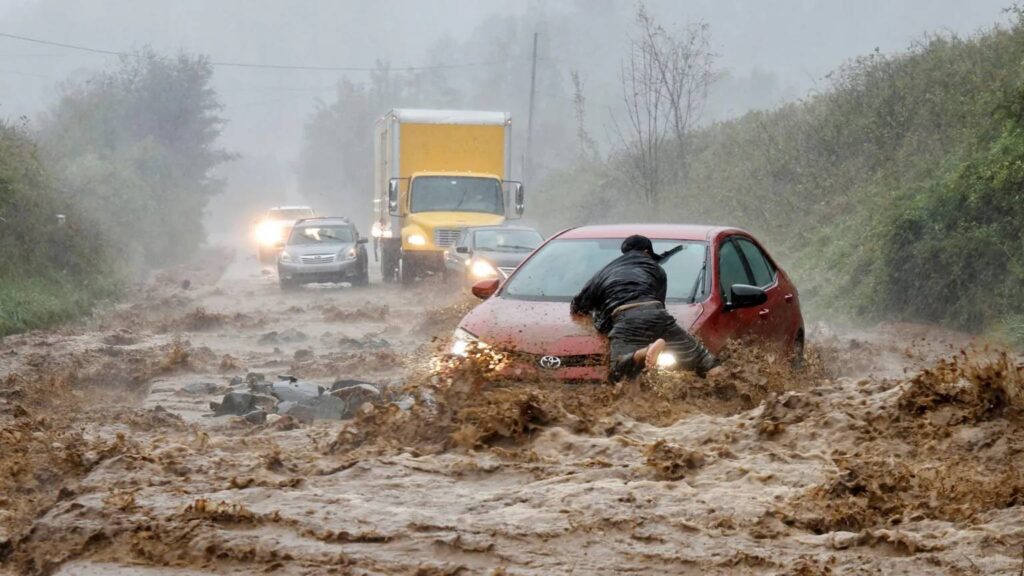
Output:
(560, 269)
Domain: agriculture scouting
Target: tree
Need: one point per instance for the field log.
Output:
(664, 82)
(136, 147)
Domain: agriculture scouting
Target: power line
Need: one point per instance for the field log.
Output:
(254, 65)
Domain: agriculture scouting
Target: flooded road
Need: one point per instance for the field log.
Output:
(894, 452)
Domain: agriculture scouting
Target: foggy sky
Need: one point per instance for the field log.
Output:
(789, 44)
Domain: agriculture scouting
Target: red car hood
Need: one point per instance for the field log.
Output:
(542, 328)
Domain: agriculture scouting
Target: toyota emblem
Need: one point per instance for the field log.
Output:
(550, 362)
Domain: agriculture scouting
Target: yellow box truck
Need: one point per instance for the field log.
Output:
(437, 172)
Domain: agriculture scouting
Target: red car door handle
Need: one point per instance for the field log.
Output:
(788, 298)
(764, 313)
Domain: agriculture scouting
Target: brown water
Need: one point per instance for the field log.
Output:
(882, 457)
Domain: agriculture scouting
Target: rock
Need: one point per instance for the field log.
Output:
(239, 403)
(236, 403)
(301, 412)
(356, 395)
(348, 382)
(364, 344)
(329, 407)
(268, 338)
(303, 355)
(255, 377)
(256, 417)
(296, 391)
(405, 403)
(199, 388)
(273, 418)
(842, 540)
(236, 381)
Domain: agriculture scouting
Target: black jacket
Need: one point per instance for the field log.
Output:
(633, 277)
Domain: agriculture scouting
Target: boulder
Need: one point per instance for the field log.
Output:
(301, 412)
(295, 391)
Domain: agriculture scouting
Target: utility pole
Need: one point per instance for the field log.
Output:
(528, 169)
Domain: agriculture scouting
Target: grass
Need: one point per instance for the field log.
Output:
(48, 300)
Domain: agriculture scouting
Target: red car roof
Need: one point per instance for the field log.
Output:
(655, 231)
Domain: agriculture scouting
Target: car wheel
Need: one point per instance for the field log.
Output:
(798, 352)
(388, 265)
(363, 278)
(406, 272)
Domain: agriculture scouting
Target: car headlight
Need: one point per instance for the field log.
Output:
(483, 269)
(667, 360)
(349, 254)
(461, 341)
(286, 257)
(268, 233)
(416, 240)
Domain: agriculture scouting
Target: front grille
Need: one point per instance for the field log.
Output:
(506, 272)
(579, 361)
(444, 237)
(318, 258)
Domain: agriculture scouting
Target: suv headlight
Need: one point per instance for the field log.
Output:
(286, 257)
(349, 254)
(461, 341)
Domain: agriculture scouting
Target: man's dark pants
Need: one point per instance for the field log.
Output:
(638, 327)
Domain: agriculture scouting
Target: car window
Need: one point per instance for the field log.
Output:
(559, 270)
(322, 234)
(759, 266)
(506, 240)
(730, 267)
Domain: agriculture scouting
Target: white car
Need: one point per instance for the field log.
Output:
(272, 230)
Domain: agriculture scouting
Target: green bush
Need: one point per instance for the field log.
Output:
(49, 273)
(896, 192)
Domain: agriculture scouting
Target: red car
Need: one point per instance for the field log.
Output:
(743, 292)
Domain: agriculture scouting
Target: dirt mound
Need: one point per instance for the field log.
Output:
(365, 312)
(974, 386)
(943, 448)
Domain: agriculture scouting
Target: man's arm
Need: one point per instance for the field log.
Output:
(586, 301)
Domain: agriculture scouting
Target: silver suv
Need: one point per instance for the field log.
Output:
(323, 250)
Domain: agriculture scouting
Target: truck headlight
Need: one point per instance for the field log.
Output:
(483, 269)
(667, 360)
(416, 240)
(461, 341)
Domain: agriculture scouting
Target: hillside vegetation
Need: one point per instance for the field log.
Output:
(897, 192)
(48, 272)
(126, 156)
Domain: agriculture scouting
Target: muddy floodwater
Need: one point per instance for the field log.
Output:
(896, 450)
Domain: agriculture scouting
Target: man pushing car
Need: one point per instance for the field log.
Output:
(626, 299)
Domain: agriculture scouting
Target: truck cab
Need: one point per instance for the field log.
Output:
(438, 172)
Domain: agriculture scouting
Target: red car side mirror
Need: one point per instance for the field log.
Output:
(484, 289)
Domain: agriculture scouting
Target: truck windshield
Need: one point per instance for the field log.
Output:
(456, 194)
